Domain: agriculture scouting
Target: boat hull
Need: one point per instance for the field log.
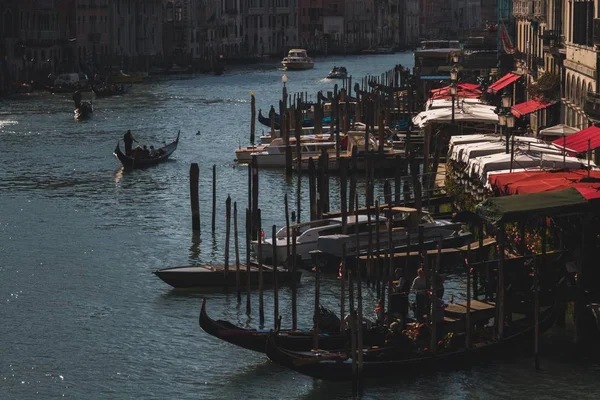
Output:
(338, 367)
(297, 66)
(131, 162)
(207, 276)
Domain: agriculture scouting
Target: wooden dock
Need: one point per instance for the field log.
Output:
(427, 201)
(487, 243)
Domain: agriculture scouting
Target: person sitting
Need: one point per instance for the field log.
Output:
(146, 151)
(152, 151)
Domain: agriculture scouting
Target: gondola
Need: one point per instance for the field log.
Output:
(256, 340)
(107, 91)
(266, 121)
(66, 89)
(380, 362)
(83, 111)
(163, 155)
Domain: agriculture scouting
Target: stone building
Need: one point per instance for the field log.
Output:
(134, 33)
(92, 35)
(271, 26)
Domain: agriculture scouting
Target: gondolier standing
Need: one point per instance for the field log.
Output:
(128, 139)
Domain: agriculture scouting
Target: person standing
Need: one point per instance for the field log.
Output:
(419, 286)
(128, 139)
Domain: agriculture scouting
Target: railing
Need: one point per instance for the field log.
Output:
(549, 34)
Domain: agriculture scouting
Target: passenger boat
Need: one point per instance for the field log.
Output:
(338, 73)
(109, 90)
(83, 111)
(256, 340)
(408, 359)
(211, 276)
(297, 59)
(163, 155)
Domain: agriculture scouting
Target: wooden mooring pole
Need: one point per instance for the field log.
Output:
(261, 299)
(237, 254)
(275, 282)
(316, 328)
(194, 198)
(227, 235)
(294, 286)
(214, 196)
(248, 236)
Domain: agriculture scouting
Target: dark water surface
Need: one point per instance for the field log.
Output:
(81, 314)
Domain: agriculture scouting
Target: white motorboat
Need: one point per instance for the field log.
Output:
(326, 235)
(297, 60)
(273, 155)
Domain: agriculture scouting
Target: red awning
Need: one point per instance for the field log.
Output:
(530, 106)
(578, 141)
(464, 90)
(502, 82)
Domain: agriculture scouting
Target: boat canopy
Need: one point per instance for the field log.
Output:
(523, 207)
(463, 112)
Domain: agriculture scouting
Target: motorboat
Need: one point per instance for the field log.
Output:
(326, 235)
(274, 155)
(297, 60)
(338, 73)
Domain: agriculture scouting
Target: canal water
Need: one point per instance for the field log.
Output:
(83, 316)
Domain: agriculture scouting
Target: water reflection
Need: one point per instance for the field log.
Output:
(195, 248)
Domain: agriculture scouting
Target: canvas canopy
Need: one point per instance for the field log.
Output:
(558, 131)
(544, 181)
(463, 112)
(579, 142)
(481, 166)
(522, 207)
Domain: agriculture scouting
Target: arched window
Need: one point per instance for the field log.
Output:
(7, 24)
(169, 12)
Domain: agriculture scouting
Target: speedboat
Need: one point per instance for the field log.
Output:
(338, 73)
(297, 59)
(326, 235)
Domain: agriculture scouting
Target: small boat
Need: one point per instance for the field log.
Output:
(83, 111)
(399, 361)
(297, 60)
(256, 340)
(207, 276)
(338, 73)
(109, 90)
(162, 155)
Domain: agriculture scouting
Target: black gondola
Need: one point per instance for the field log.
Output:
(266, 121)
(143, 162)
(107, 91)
(83, 111)
(382, 362)
(256, 340)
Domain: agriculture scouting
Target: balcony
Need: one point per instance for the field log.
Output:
(539, 9)
(592, 105)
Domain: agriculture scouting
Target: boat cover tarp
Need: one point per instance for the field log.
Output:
(558, 130)
(578, 142)
(522, 207)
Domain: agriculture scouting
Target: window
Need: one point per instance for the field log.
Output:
(583, 20)
(178, 12)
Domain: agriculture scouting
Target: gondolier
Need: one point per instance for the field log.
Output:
(128, 139)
